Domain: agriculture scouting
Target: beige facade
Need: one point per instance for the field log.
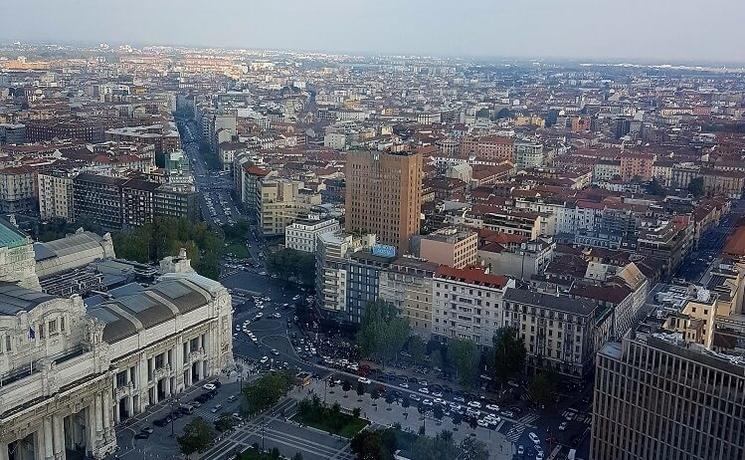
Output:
(450, 246)
(55, 197)
(383, 195)
(302, 235)
(407, 284)
(281, 202)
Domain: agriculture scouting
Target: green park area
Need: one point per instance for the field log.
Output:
(312, 412)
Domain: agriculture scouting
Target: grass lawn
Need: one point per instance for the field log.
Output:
(349, 425)
(238, 250)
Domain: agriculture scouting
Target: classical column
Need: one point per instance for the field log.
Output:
(3, 451)
(107, 429)
(90, 425)
(59, 437)
(48, 439)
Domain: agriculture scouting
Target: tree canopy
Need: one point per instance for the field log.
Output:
(292, 265)
(382, 332)
(265, 391)
(696, 186)
(541, 389)
(466, 357)
(198, 436)
(509, 353)
(165, 236)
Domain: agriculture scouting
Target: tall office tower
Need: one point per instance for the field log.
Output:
(659, 395)
(383, 195)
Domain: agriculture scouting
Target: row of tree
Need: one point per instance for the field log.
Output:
(266, 391)
(383, 444)
(292, 266)
(383, 333)
(165, 236)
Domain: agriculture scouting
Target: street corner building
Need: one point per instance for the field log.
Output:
(71, 369)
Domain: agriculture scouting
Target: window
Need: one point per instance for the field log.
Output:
(53, 327)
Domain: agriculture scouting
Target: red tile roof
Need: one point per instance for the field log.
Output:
(472, 275)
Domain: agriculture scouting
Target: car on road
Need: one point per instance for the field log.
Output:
(364, 380)
(474, 404)
(492, 407)
(415, 397)
(264, 359)
(424, 390)
(403, 385)
(563, 426)
(215, 409)
(427, 402)
(209, 386)
(142, 435)
(275, 352)
(534, 437)
(520, 450)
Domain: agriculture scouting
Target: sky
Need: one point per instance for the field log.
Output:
(635, 30)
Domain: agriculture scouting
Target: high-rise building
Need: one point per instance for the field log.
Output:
(383, 195)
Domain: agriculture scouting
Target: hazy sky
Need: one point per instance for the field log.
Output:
(663, 30)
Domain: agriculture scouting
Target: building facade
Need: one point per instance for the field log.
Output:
(302, 235)
(383, 195)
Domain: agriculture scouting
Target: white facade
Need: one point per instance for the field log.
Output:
(68, 374)
(467, 305)
(302, 235)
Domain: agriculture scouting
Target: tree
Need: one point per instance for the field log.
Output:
(198, 436)
(438, 412)
(297, 456)
(436, 359)
(368, 445)
(346, 386)
(417, 349)
(266, 391)
(225, 423)
(360, 388)
(356, 412)
(466, 357)
(655, 188)
(382, 333)
(541, 389)
(292, 266)
(696, 186)
(509, 353)
(473, 449)
(374, 393)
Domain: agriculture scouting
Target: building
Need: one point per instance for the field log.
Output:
(281, 202)
(493, 148)
(70, 370)
(251, 185)
(516, 257)
(17, 263)
(383, 195)
(364, 271)
(115, 203)
(12, 133)
(73, 251)
(407, 285)
(560, 333)
(55, 196)
(450, 246)
(467, 304)
(332, 254)
(302, 235)
(659, 396)
(528, 154)
(18, 191)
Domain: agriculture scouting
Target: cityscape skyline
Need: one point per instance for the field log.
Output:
(478, 29)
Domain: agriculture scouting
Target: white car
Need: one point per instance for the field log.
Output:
(264, 359)
(424, 390)
(492, 407)
(427, 402)
(482, 423)
(534, 437)
(364, 380)
(563, 426)
(209, 387)
(475, 404)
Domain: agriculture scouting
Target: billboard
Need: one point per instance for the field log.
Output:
(384, 250)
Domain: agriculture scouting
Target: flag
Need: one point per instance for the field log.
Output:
(31, 333)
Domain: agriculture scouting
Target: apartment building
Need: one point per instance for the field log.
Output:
(491, 147)
(281, 202)
(302, 235)
(407, 284)
(332, 253)
(451, 246)
(55, 195)
(528, 154)
(383, 195)
(467, 304)
(560, 333)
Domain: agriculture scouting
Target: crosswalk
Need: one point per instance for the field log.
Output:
(518, 428)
